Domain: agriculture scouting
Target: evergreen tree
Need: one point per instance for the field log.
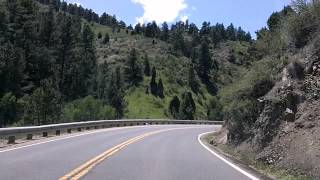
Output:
(99, 35)
(138, 29)
(215, 110)
(147, 68)
(241, 34)
(47, 25)
(248, 37)
(119, 78)
(231, 32)
(102, 79)
(160, 89)
(153, 83)
(177, 41)
(88, 61)
(204, 62)
(67, 33)
(165, 32)
(205, 29)
(106, 38)
(116, 97)
(232, 58)
(174, 107)
(8, 109)
(188, 107)
(133, 71)
(274, 21)
(193, 82)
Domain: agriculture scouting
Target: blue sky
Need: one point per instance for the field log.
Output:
(250, 14)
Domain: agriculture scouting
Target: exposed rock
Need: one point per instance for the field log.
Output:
(296, 70)
(289, 115)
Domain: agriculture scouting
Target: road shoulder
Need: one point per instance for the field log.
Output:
(250, 171)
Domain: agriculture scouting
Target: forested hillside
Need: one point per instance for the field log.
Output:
(61, 62)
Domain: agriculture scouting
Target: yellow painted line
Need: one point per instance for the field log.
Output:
(84, 169)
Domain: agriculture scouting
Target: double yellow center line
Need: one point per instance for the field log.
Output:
(89, 165)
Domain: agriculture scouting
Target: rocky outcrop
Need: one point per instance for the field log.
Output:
(286, 133)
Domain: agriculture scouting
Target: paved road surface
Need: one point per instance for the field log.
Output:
(168, 152)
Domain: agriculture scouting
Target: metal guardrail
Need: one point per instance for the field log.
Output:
(11, 134)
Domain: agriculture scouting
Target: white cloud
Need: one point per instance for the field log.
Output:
(184, 18)
(161, 10)
(77, 3)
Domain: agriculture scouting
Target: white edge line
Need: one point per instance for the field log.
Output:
(223, 159)
(68, 137)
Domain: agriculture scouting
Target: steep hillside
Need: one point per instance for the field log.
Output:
(272, 112)
(172, 69)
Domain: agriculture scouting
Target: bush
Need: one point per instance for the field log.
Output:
(88, 109)
(8, 109)
(215, 110)
(239, 100)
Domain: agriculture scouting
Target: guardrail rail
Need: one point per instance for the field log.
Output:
(28, 133)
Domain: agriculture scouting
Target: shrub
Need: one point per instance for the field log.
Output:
(88, 109)
(215, 110)
(8, 109)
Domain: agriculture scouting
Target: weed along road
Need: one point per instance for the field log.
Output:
(164, 152)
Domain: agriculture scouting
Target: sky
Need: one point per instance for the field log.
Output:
(251, 15)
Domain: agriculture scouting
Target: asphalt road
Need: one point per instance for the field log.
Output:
(169, 152)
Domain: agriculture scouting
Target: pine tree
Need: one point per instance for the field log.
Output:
(174, 107)
(66, 35)
(47, 25)
(8, 109)
(99, 35)
(193, 82)
(119, 82)
(116, 97)
(205, 29)
(147, 69)
(231, 32)
(89, 62)
(160, 89)
(188, 107)
(165, 32)
(138, 29)
(133, 71)
(204, 62)
(102, 79)
(106, 38)
(153, 83)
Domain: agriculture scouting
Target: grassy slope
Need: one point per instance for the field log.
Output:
(173, 71)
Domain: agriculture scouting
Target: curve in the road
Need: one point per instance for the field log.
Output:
(84, 169)
(145, 155)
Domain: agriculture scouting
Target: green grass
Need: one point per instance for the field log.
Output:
(142, 105)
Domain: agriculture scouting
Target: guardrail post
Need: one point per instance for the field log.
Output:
(11, 139)
(58, 132)
(45, 134)
(29, 136)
